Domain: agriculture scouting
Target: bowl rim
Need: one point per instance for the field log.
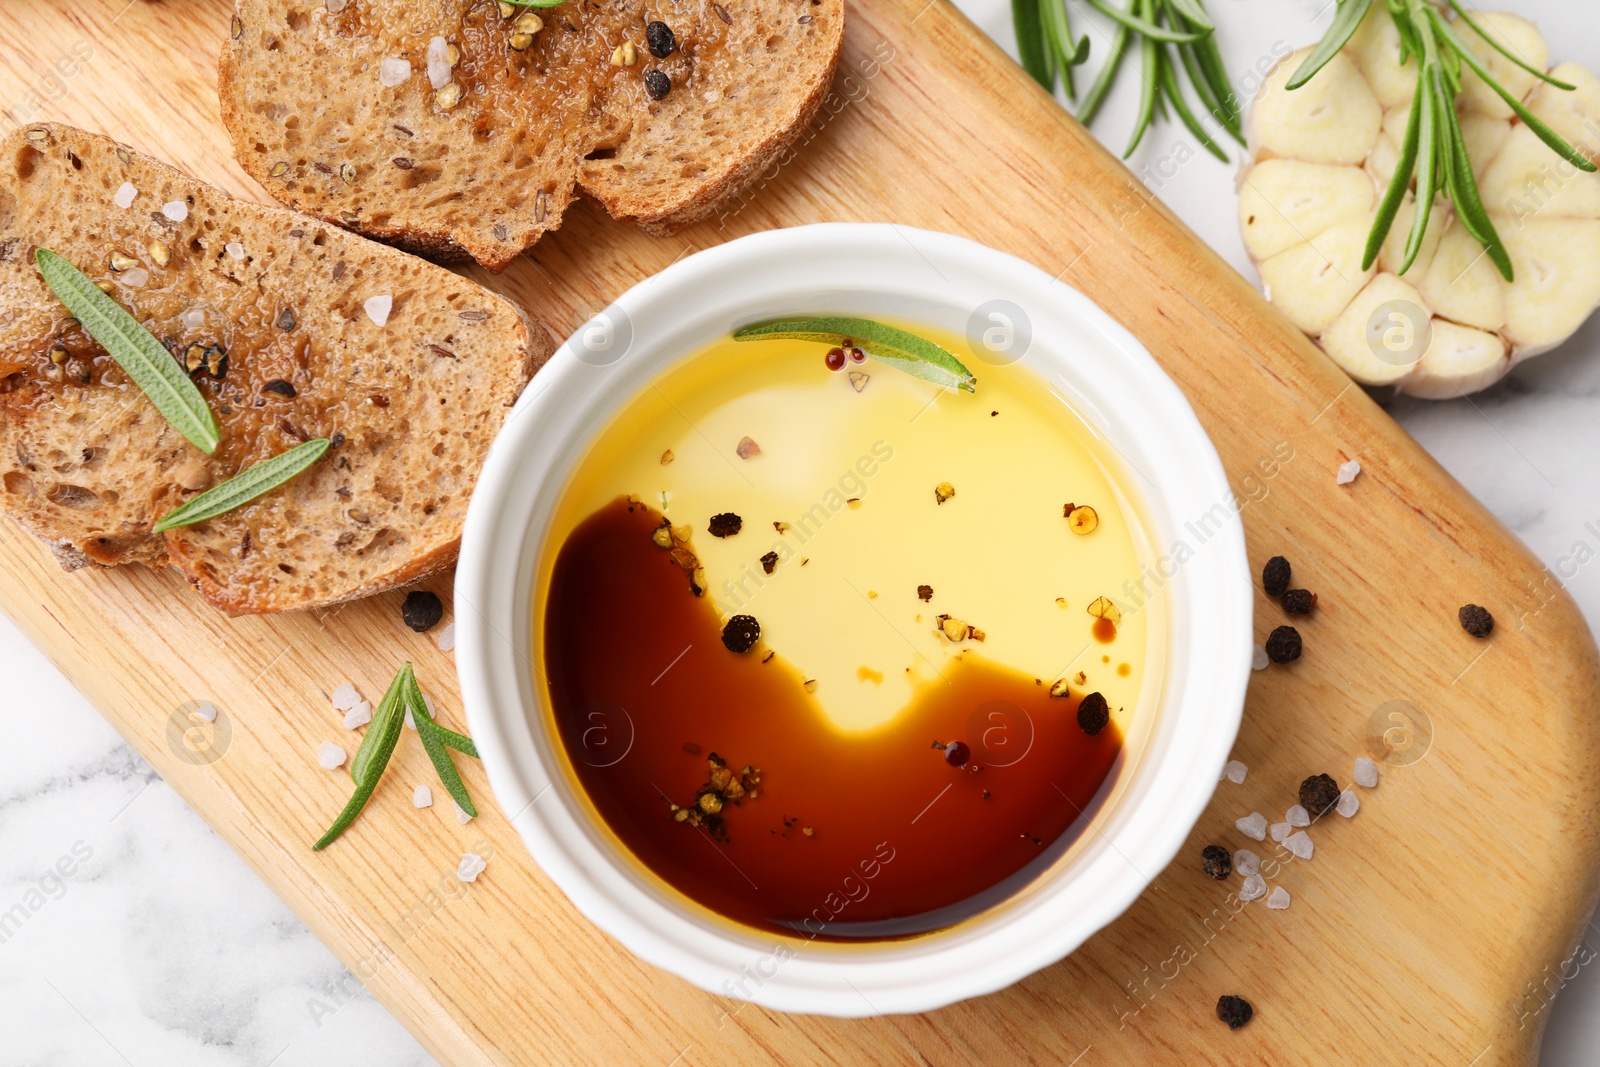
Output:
(747, 277)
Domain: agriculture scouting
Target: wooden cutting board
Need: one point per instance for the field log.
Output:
(1432, 928)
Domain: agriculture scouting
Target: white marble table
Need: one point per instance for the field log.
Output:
(163, 948)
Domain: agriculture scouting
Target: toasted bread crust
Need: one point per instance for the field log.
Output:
(87, 462)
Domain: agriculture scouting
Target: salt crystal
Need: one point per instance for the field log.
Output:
(336, 6)
(1297, 816)
(1254, 887)
(1235, 771)
(345, 697)
(1258, 659)
(1279, 898)
(422, 797)
(1347, 474)
(207, 711)
(438, 63)
(411, 723)
(234, 249)
(446, 638)
(461, 816)
(378, 308)
(359, 715)
(1299, 844)
(124, 195)
(194, 319)
(175, 210)
(1281, 830)
(1366, 773)
(1348, 804)
(1246, 862)
(470, 867)
(134, 277)
(330, 756)
(1253, 826)
(433, 709)
(392, 72)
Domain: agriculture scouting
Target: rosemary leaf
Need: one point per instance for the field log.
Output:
(1345, 21)
(915, 355)
(1498, 47)
(145, 359)
(434, 745)
(371, 758)
(1141, 24)
(244, 486)
(1026, 20)
(1399, 185)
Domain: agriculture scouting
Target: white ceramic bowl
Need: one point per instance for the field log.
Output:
(910, 275)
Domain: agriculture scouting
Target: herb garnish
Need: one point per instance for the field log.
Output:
(244, 486)
(136, 350)
(915, 355)
(379, 743)
(1433, 146)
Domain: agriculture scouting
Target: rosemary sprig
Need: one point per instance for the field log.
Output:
(1044, 41)
(434, 744)
(1433, 146)
(244, 486)
(915, 355)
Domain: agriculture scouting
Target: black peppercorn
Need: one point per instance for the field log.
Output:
(657, 84)
(1235, 1011)
(1093, 713)
(1216, 862)
(1299, 601)
(1283, 645)
(1476, 621)
(661, 40)
(769, 562)
(726, 524)
(1319, 793)
(741, 633)
(1275, 576)
(421, 610)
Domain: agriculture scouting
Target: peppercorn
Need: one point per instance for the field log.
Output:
(1216, 862)
(1235, 1011)
(657, 84)
(1299, 601)
(1093, 714)
(769, 562)
(421, 610)
(1476, 621)
(740, 633)
(1283, 645)
(924, 592)
(726, 524)
(661, 40)
(1319, 793)
(1275, 576)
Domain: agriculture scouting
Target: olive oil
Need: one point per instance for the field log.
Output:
(812, 784)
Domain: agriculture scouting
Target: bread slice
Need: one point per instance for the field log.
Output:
(304, 97)
(88, 464)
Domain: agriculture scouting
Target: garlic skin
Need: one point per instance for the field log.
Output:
(1320, 158)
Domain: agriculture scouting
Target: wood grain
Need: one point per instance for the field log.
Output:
(1429, 929)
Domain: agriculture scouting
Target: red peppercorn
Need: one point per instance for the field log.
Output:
(856, 355)
(834, 359)
(956, 753)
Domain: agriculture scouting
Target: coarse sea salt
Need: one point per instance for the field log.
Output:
(1258, 659)
(1253, 826)
(134, 277)
(446, 637)
(1235, 771)
(359, 715)
(393, 71)
(1297, 816)
(330, 756)
(461, 816)
(124, 195)
(1246, 862)
(207, 711)
(422, 797)
(194, 319)
(1254, 888)
(345, 697)
(175, 210)
(1348, 804)
(1347, 474)
(1281, 830)
(234, 249)
(438, 62)
(1300, 844)
(378, 308)
(1279, 898)
(470, 867)
(411, 722)
(1366, 774)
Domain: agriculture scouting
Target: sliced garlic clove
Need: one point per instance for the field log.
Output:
(1526, 180)
(1376, 45)
(1521, 39)
(1312, 282)
(1462, 284)
(1557, 282)
(1379, 337)
(1393, 252)
(1573, 113)
(1333, 118)
(1459, 360)
(1283, 202)
(1484, 136)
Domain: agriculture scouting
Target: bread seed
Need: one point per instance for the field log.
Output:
(520, 41)
(58, 356)
(105, 287)
(624, 55)
(722, 13)
(160, 253)
(217, 361)
(347, 171)
(449, 96)
(657, 84)
(528, 22)
(237, 27)
(280, 387)
(43, 135)
(120, 262)
(286, 321)
(541, 204)
(507, 10)
(279, 169)
(661, 39)
(194, 357)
